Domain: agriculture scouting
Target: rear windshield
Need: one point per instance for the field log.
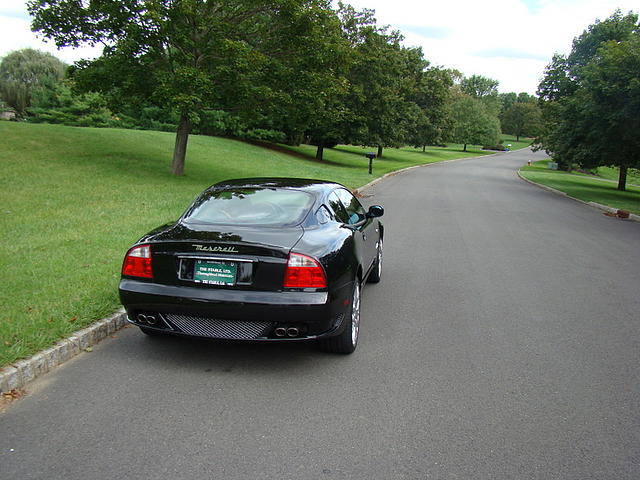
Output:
(250, 206)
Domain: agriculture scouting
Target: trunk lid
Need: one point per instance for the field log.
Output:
(222, 256)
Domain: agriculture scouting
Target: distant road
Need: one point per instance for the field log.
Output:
(502, 343)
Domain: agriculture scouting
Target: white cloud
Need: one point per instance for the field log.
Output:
(474, 37)
(461, 33)
(15, 34)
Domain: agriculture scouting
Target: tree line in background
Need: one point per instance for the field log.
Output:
(288, 71)
(591, 99)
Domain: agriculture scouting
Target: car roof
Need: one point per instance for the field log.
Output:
(305, 184)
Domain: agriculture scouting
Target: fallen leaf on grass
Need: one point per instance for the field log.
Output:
(73, 319)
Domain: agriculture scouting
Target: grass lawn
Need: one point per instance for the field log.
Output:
(395, 158)
(392, 158)
(72, 200)
(610, 173)
(524, 142)
(584, 187)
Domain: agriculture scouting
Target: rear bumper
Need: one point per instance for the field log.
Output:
(315, 315)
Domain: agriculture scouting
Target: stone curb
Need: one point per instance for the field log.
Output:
(24, 371)
(359, 190)
(603, 208)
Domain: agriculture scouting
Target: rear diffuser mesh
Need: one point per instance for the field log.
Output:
(214, 328)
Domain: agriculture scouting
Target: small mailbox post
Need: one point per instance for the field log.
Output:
(370, 156)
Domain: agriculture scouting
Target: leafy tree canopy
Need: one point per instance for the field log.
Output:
(478, 86)
(432, 94)
(484, 89)
(610, 117)
(381, 75)
(522, 119)
(589, 98)
(472, 123)
(190, 55)
(23, 72)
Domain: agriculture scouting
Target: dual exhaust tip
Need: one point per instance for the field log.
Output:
(287, 332)
(148, 319)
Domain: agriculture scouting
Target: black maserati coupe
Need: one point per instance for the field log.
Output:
(258, 259)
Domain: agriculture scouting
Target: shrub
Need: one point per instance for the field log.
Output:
(263, 135)
(499, 147)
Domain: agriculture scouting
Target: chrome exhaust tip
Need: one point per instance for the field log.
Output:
(293, 332)
(281, 332)
(141, 318)
(152, 320)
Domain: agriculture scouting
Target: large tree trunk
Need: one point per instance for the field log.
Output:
(180, 149)
(622, 179)
(424, 148)
(465, 148)
(319, 152)
(379, 151)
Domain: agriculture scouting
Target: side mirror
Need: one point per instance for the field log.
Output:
(375, 211)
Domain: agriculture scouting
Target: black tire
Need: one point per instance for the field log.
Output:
(376, 273)
(347, 341)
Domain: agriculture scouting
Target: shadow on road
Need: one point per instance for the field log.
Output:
(171, 352)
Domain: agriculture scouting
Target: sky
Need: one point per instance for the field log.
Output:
(508, 40)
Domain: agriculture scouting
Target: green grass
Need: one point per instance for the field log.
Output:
(611, 173)
(392, 158)
(72, 200)
(524, 142)
(395, 158)
(584, 187)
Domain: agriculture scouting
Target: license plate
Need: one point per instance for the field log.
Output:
(215, 273)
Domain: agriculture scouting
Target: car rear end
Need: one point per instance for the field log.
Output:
(229, 282)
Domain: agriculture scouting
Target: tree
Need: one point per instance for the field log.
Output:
(617, 27)
(522, 119)
(432, 94)
(483, 88)
(589, 98)
(189, 55)
(611, 111)
(524, 97)
(381, 76)
(506, 100)
(478, 86)
(23, 72)
(317, 87)
(472, 123)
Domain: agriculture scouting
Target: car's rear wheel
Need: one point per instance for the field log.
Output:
(376, 273)
(347, 341)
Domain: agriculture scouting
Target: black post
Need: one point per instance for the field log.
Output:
(370, 156)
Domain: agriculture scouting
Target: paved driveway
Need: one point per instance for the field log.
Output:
(502, 342)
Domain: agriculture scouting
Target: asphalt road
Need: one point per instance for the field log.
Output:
(502, 343)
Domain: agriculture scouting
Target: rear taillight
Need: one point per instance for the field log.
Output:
(304, 272)
(137, 262)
